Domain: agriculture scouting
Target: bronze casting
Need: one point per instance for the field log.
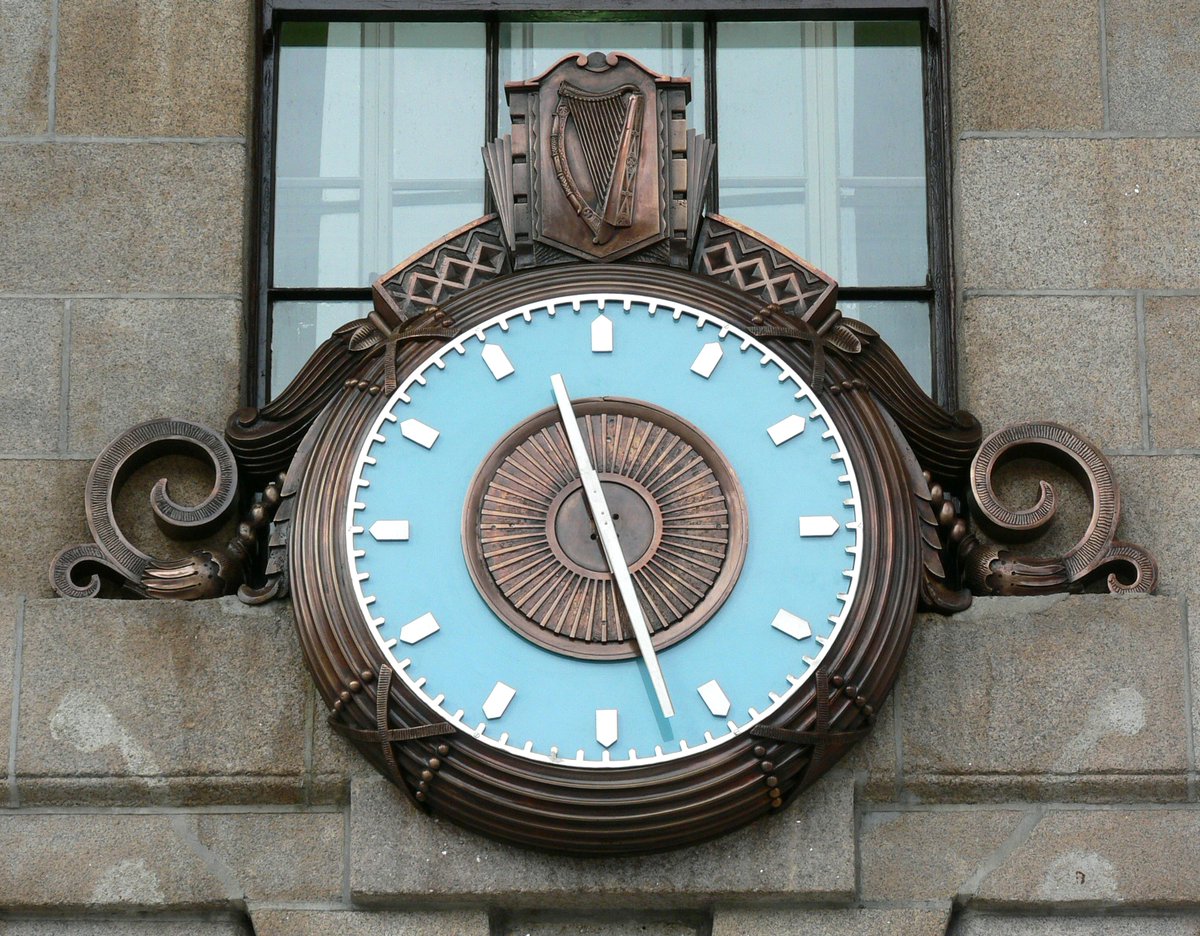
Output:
(679, 510)
(601, 185)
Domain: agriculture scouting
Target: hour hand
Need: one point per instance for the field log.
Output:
(610, 544)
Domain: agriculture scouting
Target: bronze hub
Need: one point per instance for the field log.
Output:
(532, 550)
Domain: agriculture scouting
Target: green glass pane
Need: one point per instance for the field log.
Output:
(378, 139)
(298, 328)
(822, 143)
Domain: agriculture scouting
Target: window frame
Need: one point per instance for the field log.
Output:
(931, 14)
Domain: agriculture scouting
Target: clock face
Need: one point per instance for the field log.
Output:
(481, 572)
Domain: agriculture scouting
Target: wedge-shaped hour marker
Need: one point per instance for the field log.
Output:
(383, 531)
(714, 697)
(785, 429)
(416, 631)
(791, 625)
(707, 360)
(606, 726)
(416, 431)
(497, 361)
(602, 333)
(498, 699)
(818, 526)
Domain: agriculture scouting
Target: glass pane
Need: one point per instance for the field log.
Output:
(675, 49)
(378, 141)
(297, 328)
(822, 143)
(905, 326)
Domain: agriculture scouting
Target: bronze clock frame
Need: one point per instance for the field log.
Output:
(629, 809)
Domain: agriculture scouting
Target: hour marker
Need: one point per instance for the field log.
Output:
(791, 625)
(389, 530)
(602, 333)
(497, 361)
(714, 697)
(606, 726)
(818, 526)
(416, 431)
(786, 429)
(416, 631)
(498, 699)
(708, 359)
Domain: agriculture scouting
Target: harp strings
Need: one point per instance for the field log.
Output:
(600, 119)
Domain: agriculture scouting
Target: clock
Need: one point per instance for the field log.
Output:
(604, 572)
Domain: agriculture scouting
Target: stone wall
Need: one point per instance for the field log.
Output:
(168, 766)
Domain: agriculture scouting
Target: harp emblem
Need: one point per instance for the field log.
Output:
(608, 128)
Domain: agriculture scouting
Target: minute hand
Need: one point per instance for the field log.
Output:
(610, 543)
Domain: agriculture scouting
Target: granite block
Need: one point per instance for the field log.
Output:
(366, 923)
(107, 218)
(1072, 360)
(160, 702)
(154, 67)
(279, 856)
(398, 855)
(41, 503)
(849, 922)
(25, 67)
(1071, 213)
(1153, 65)
(1172, 350)
(31, 374)
(11, 610)
(1160, 501)
(1019, 65)
(929, 854)
(102, 862)
(1102, 858)
(119, 345)
(1068, 697)
(996, 924)
(132, 926)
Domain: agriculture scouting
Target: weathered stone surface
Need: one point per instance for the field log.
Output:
(874, 757)
(1069, 359)
(899, 922)
(334, 762)
(399, 855)
(153, 67)
(1104, 857)
(279, 856)
(160, 702)
(117, 345)
(31, 374)
(41, 510)
(24, 67)
(122, 217)
(995, 924)
(1078, 214)
(1077, 697)
(11, 610)
(929, 854)
(102, 862)
(1172, 350)
(1153, 65)
(1160, 501)
(1019, 66)
(567, 923)
(133, 926)
(361, 923)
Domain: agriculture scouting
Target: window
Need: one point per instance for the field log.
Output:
(374, 129)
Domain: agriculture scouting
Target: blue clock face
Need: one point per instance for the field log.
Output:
(483, 560)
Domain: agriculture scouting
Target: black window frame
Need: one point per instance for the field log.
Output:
(931, 14)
